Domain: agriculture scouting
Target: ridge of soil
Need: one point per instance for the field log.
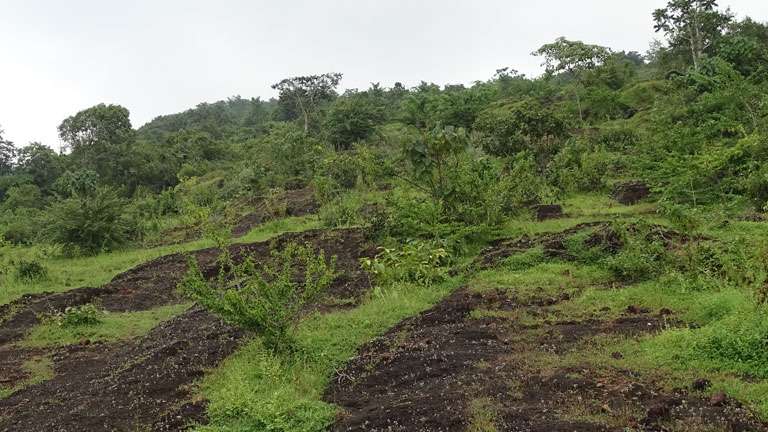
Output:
(147, 382)
(426, 373)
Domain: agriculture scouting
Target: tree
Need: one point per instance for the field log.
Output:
(695, 24)
(524, 125)
(100, 138)
(40, 163)
(353, 117)
(305, 94)
(7, 154)
(573, 57)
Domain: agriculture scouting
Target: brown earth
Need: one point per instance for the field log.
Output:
(143, 384)
(444, 370)
(631, 192)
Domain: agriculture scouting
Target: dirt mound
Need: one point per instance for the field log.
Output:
(630, 192)
(440, 370)
(548, 211)
(143, 383)
(299, 202)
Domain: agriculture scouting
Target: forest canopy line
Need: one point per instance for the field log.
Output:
(689, 117)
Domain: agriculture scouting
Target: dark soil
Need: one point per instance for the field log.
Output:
(145, 383)
(425, 373)
(630, 192)
(299, 202)
(548, 211)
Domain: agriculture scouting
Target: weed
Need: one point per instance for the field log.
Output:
(265, 298)
(78, 316)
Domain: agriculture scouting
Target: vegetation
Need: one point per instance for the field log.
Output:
(431, 175)
(265, 298)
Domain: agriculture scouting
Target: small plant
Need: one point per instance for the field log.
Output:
(267, 298)
(417, 262)
(78, 316)
(30, 271)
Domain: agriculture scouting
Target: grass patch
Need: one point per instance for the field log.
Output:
(111, 326)
(259, 390)
(39, 369)
(546, 279)
(482, 415)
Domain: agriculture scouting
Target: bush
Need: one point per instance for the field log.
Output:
(30, 271)
(343, 211)
(88, 224)
(641, 257)
(266, 298)
(77, 316)
(418, 262)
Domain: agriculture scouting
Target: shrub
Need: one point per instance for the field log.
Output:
(30, 270)
(88, 223)
(641, 257)
(343, 211)
(267, 297)
(77, 316)
(418, 262)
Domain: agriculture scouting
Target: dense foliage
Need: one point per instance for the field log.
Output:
(690, 118)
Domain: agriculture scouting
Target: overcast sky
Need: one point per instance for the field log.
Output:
(164, 56)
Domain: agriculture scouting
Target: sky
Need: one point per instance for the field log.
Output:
(159, 57)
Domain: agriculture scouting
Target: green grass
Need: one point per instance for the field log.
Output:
(112, 326)
(545, 279)
(256, 390)
(39, 369)
(69, 273)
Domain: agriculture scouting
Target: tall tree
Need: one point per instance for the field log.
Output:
(305, 94)
(7, 154)
(573, 57)
(100, 138)
(695, 24)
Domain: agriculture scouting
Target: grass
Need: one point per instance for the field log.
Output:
(39, 369)
(482, 414)
(69, 273)
(111, 326)
(257, 390)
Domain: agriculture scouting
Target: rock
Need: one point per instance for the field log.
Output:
(718, 399)
(636, 310)
(548, 211)
(701, 384)
(630, 192)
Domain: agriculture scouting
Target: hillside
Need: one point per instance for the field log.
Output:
(581, 251)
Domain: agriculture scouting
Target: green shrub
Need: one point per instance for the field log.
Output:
(641, 257)
(343, 211)
(30, 270)
(88, 224)
(423, 263)
(265, 297)
(77, 316)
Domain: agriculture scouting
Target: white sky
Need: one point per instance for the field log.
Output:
(163, 56)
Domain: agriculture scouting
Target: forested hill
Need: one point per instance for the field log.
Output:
(221, 120)
(688, 117)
